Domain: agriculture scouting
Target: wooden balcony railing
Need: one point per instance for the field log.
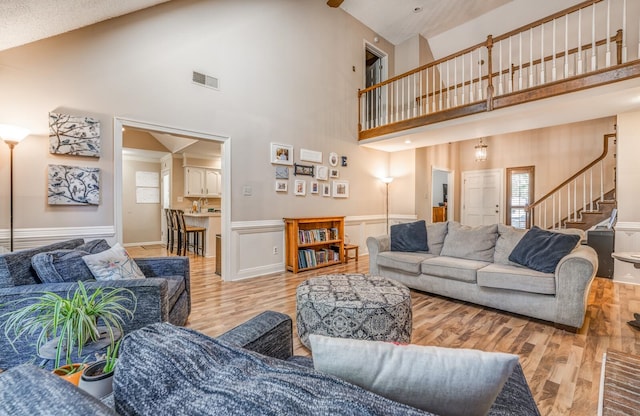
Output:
(581, 47)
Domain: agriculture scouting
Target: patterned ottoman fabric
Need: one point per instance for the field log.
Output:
(353, 306)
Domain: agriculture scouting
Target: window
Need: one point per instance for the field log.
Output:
(519, 195)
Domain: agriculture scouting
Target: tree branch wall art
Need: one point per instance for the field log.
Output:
(72, 185)
(72, 135)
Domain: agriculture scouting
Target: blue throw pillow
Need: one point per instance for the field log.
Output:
(411, 236)
(61, 266)
(542, 250)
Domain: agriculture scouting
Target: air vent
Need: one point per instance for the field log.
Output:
(206, 80)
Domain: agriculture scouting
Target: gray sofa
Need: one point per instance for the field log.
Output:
(473, 265)
(249, 370)
(163, 296)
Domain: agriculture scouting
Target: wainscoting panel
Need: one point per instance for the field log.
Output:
(24, 238)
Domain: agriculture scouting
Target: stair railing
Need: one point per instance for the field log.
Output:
(576, 194)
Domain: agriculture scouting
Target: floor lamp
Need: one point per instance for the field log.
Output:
(387, 181)
(11, 136)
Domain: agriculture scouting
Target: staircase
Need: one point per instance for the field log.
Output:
(580, 201)
(587, 219)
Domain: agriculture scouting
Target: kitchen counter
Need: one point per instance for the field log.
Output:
(202, 214)
(210, 221)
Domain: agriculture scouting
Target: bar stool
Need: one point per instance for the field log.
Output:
(184, 231)
(172, 229)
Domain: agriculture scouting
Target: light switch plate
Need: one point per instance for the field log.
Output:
(247, 191)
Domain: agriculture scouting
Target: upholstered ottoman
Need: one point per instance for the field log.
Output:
(353, 306)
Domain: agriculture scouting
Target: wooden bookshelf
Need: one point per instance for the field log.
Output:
(311, 243)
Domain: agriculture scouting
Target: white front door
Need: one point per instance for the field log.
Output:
(482, 196)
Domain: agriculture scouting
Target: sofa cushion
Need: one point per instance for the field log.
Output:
(542, 250)
(194, 374)
(411, 236)
(175, 287)
(503, 276)
(435, 237)
(94, 246)
(472, 243)
(447, 381)
(16, 270)
(452, 268)
(113, 264)
(60, 266)
(404, 261)
(508, 238)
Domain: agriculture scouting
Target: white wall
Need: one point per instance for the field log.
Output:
(628, 225)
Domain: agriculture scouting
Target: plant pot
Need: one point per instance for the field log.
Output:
(95, 382)
(73, 378)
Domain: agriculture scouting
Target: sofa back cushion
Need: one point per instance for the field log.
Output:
(435, 237)
(186, 372)
(472, 243)
(16, 270)
(508, 238)
(60, 266)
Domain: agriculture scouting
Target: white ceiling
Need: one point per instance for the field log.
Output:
(399, 20)
(25, 21)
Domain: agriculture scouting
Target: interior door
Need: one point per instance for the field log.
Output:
(482, 196)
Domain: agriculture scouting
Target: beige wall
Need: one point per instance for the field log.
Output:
(141, 223)
(276, 85)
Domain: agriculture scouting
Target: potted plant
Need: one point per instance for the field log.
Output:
(97, 378)
(66, 325)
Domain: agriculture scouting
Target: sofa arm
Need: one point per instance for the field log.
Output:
(377, 245)
(152, 305)
(166, 267)
(574, 274)
(269, 333)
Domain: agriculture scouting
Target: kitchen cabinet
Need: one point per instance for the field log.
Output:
(202, 182)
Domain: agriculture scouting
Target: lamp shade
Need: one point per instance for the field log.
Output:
(387, 179)
(12, 134)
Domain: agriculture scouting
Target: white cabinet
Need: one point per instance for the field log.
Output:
(202, 182)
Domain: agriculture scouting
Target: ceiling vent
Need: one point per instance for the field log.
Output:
(206, 80)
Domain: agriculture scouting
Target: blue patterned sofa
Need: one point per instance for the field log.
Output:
(249, 370)
(163, 296)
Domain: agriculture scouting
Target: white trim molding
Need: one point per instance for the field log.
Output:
(24, 238)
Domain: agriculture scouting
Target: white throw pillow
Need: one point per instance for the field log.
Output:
(445, 381)
(113, 264)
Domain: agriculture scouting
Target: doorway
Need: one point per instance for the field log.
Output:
(441, 194)
(376, 71)
(120, 124)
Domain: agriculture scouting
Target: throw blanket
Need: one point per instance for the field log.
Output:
(164, 369)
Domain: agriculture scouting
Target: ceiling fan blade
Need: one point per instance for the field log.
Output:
(334, 3)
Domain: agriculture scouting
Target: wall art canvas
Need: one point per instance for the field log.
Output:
(282, 172)
(73, 135)
(73, 185)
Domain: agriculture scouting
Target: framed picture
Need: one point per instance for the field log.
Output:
(322, 173)
(310, 156)
(281, 154)
(302, 170)
(281, 186)
(333, 159)
(73, 185)
(334, 173)
(340, 189)
(73, 135)
(315, 188)
(282, 172)
(326, 189)
(300, 187)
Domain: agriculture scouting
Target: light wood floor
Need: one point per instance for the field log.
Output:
(563, 368)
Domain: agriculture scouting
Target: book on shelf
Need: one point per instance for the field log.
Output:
(311, 258)
(317, 235)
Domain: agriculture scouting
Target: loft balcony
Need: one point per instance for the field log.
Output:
(592, 46)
